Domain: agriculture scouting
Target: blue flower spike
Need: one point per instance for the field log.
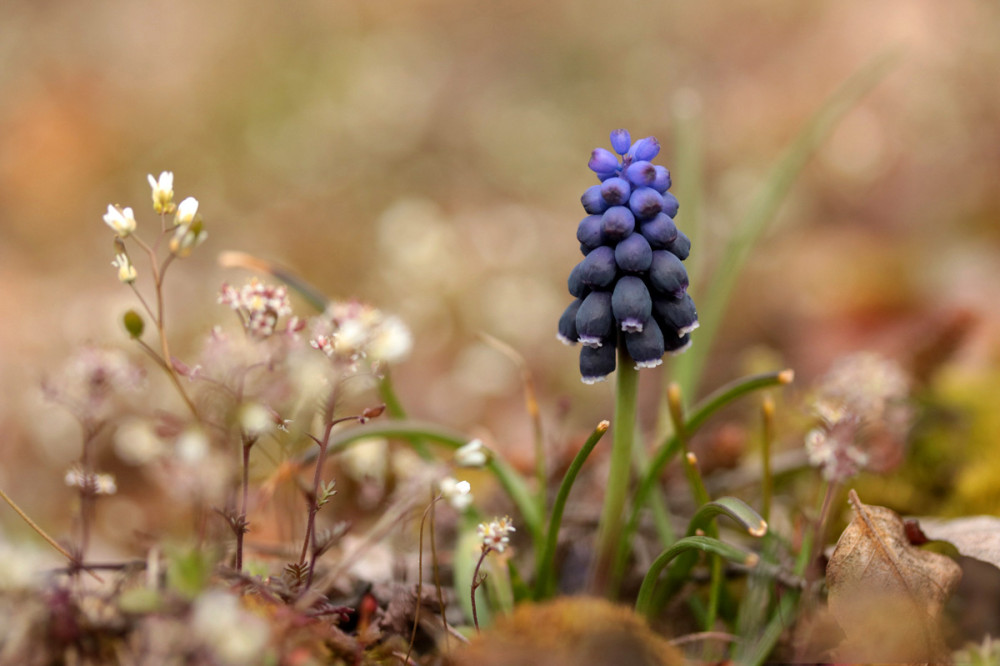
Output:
(630, 290)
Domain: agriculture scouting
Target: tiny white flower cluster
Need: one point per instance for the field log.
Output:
(259, 306)
(97, 484)
(496, 534)
(862, 394)
(458, 493)
(355, 331)
(189, 230)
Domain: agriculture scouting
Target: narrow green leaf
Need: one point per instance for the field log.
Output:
(693, 544)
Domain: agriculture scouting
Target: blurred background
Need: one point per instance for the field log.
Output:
(428, 156)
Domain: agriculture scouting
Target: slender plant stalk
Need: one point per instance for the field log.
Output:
(545, 580)
(610, 528)
(420, 573)
(42, 533)
(476, 581)
(767, 437)
(159, 272)
(241, 526)
(437, 582)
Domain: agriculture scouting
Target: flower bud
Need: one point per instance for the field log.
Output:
(577, 287)
(595, 323)
(660, 231)
(645, 202)
(602, 161)
(680, 246)
(596, 363)
(631, 303)
(567, 324)
(616, 191)
(598, 269)
(620, 141)
(617, 223)
(670, 204)
(589, 232)
(134, 323)
(667, 274)
(187, 237)
(640, 174)
(662, 182)
(646, 346)
(677, 314)
(633, 255)
(645, 149)
(593, 201)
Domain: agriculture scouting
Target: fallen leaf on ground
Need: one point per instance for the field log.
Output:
(887, 595)
(975, 536)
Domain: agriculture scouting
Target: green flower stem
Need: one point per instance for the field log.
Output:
(545, 579)
(644, 603)
(669, 448)
(406, 430)
(610, 527)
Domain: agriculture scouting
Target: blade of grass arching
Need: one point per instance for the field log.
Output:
(689, 366)
(545, 583)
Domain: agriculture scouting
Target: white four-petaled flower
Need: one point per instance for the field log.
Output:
(122, 221)
(126, 271)
(186, 210)
(163, 192)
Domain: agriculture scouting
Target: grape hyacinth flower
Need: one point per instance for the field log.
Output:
(630, 289)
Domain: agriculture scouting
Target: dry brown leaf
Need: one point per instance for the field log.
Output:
(975, 536)
(886, 594)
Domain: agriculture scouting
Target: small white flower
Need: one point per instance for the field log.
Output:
(473, 454)
(163, 192)
(187, 238)
(186, 210)
(122, 221)
(495, 535)
(126, 271)
(458, 493)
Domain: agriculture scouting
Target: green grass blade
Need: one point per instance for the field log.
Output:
(545, 581)
(688, 367)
